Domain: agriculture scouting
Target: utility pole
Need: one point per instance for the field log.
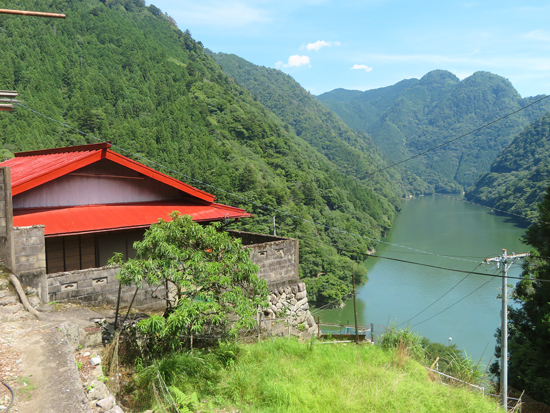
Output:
(504, 262)
(274, 230)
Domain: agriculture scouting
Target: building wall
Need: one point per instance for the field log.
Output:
(29, 262)
(99, 286)
(104, 182)
(278, 258)
(6, 219)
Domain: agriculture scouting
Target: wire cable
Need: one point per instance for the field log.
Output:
(455, 303)
(451, 289)
(457, 138)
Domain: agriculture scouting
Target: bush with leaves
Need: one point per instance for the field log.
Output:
(209, 278)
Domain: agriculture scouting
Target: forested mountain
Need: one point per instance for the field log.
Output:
(520, 174)
(123, 72)
(353, 152)
(413, 116)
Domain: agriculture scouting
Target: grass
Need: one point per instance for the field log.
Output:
(294, 377)
(25, 387)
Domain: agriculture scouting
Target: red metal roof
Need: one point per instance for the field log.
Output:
(101, 218)
(31, 169)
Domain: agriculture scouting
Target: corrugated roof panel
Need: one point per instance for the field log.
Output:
(101, 218)
(28, 168)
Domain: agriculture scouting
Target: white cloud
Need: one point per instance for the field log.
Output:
(295, 61)
(542, 35)
(362, 67)
(320, 44)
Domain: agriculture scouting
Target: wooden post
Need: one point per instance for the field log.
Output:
(355, 308)
(318, 326)
(259, 326)
(118, 303)
(372, 333)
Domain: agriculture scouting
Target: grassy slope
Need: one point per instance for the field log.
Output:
(290, 376)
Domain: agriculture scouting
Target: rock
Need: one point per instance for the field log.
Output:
(107, 403)
(98, 390)
(301, 287)
(29, 290)
(8, 300)
(45, 308)
(300, 303)
(10, 309)
(294, 289)
(116, 409)
(94, 361)
(34, 301)
(300, 295)
(72, 333)
(310, 321)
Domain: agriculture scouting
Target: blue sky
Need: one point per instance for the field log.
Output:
(329, 44)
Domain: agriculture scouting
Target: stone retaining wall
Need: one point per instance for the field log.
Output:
(289, 304)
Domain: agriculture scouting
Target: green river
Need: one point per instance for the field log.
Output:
(396, 292)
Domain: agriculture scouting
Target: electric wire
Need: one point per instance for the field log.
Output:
(441, 297)
(455, 303)
(457, 138)
(238, 196)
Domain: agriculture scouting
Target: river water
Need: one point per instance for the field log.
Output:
(396, 292)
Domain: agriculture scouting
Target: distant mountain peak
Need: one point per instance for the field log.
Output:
(439, 78)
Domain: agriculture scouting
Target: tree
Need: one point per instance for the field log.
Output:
(529, 323)
(209, 278)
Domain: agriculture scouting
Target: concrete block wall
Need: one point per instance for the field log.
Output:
(278, 258)
(6, 219)
(99, 286)
(29, 261)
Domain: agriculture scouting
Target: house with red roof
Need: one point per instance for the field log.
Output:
(64, 212)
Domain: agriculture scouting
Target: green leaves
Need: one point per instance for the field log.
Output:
(210, 281)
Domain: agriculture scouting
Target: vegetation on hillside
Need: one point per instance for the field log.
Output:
(125, 73)
(352, 152)
(529, 320)
(413, 116)
(519, 175)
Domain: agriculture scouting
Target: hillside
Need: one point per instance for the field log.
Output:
(519, 176)
(352, 152)
(415, 115)
(123, 72)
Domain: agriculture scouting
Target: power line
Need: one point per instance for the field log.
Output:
(452, 269)
(451, 289)
(457, 138)
(456, 302)
(238, 196)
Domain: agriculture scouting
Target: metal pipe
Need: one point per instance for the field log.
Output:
(32, 13)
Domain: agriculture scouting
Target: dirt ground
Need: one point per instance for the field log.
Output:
(37, 362)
